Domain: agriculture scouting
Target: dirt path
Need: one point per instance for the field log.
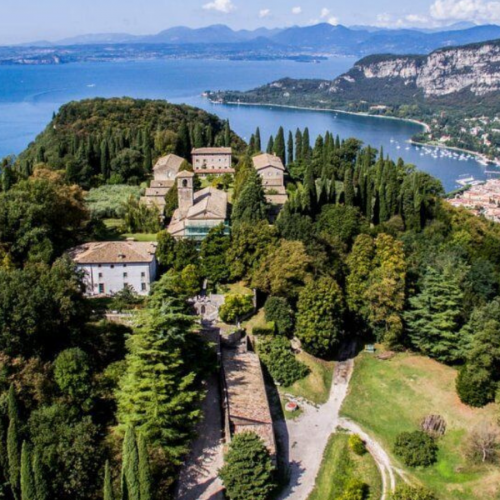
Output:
(308, 435)
(198, 479)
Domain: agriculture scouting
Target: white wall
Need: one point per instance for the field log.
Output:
(111, 276)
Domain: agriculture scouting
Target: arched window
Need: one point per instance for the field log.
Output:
(203, 310)
(185, 183)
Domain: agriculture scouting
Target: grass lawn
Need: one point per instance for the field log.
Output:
(389, 397)
(316, 386)
(341, 464)
(113, 234)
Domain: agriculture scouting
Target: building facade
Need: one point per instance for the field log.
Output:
(111, 266)
(164, 173)
(198, 211)
(272, 172)
(214, 161)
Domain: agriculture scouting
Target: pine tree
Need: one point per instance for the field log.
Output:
(28, 491)
(131, 489)
(279, 145)
(13, 443)
(290, 158)
(145, 479)
(108, 493)
(157, 394)
(250, 206)
(434, 318)
(42, 489)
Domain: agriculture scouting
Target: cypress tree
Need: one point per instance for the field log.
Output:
(306, 145)
(130, 467)
(198, 136)
(290, 148)
(298, 145)
(270, 146)
(108, 483)
(145, 479)
(279, 145)
(251, 203)
(42, 489)
(28, 491)
(209, 136)
(251, 145)
(184, 141)
(13, 443)
(348, 187)
(258, 141)
(227, 134)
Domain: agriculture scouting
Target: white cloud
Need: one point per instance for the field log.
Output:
(466, 10)
(264, 13)
(224, 6)
(297, 10)
(333, 20)
(325, 12)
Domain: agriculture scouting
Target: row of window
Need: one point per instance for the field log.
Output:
(125, 275)
(102, 288)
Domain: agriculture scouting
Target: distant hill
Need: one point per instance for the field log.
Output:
(321, 38)
(463, 77)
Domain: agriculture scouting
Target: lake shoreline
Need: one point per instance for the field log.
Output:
(481, 157)
(424, 125)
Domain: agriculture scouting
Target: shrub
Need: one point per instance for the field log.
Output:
(277, 356)
(248, 473)
(235, 307)
(357, 445)
(355, 489)
(72, 373)
(278, 310)
(406, 492)
(483, 444)
(475, 387)
(107, 202)
(125, 299)
(262, 330)
(416, 448)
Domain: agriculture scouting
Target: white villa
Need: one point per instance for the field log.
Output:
(110, 266)
(198, 211)
(215, 161)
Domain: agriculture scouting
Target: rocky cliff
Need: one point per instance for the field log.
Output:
(474, 67)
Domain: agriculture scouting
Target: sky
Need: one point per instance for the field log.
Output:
(33, 20)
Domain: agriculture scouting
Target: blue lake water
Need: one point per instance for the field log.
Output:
(29, 95)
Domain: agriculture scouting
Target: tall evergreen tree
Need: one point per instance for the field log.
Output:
(306, 145)
(258, 141)
(184, 141)
(270, 145)
(227, 134)
(298, 145)
(14, 443)
(279, 145)
(290, 157)
(349, 193)
(433, 320)
(158, 394)
(108, 493)
(41, 486)
(131, 488)
(145, 478)
(28, 491)
(251, 204)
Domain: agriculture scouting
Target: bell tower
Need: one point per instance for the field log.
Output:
(185, 191)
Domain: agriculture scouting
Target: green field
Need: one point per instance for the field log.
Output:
(316, 386)
(389, 397)
(339, 465)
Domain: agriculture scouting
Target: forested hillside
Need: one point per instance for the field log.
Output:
(366, 249)
(116, 141)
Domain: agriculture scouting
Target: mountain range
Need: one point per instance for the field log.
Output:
(321, 39)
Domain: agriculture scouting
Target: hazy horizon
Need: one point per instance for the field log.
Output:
(24, 21)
